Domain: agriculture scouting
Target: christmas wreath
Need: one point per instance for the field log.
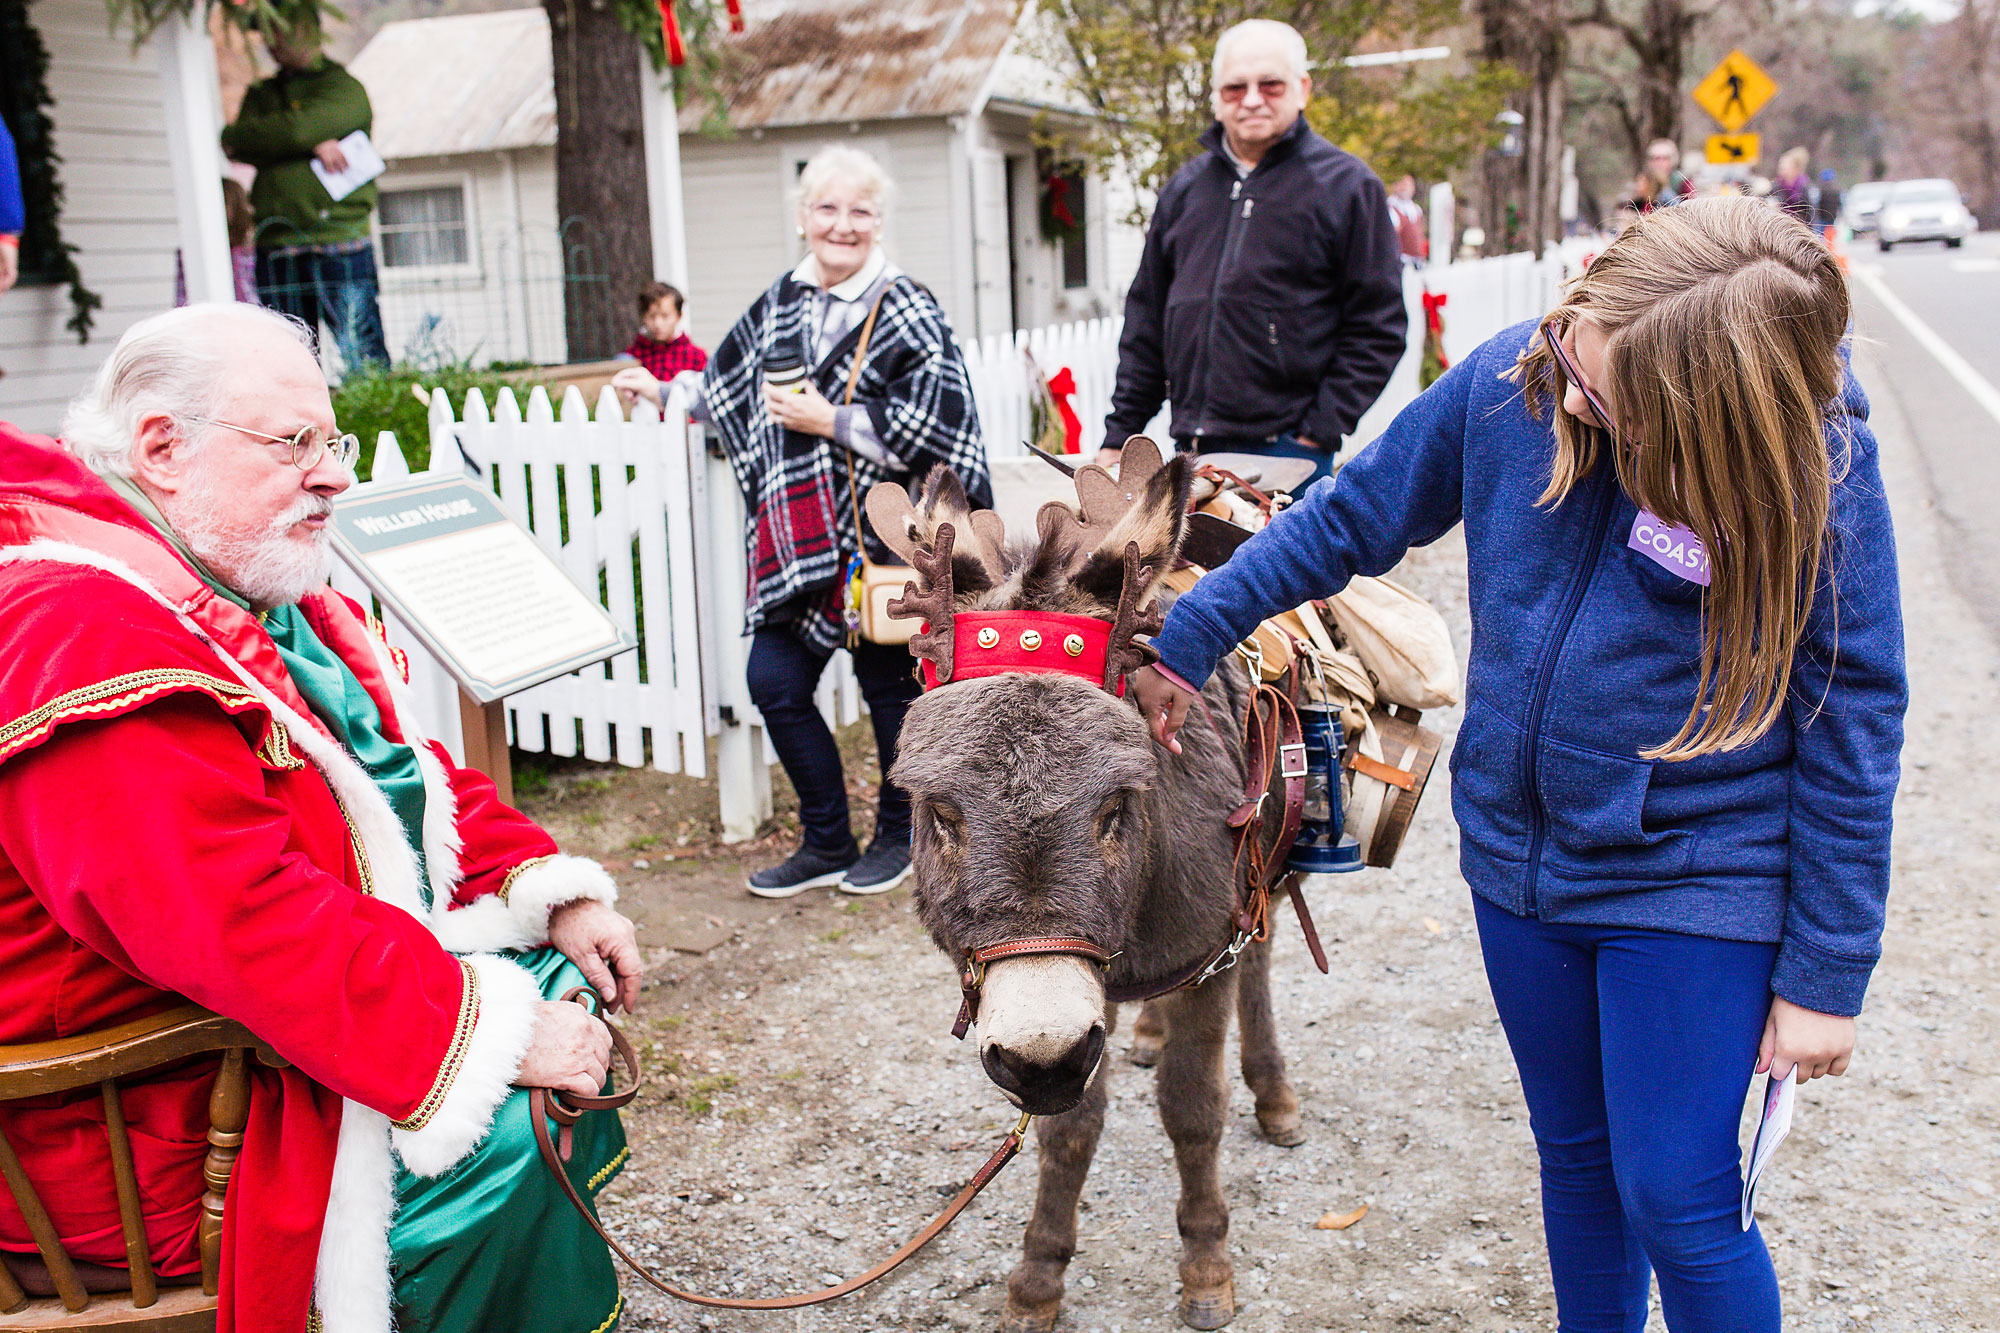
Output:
(1059, 186)
(29, 110)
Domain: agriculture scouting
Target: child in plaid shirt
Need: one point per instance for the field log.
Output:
(661, 347)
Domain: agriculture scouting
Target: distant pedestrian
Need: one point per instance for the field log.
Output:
(1826, 201)
(1412, 236)
(662, 345)
(1790, 191)
(1663, 159)
(241, 221)
(1269, 296)
(315, 258)
(13, 213)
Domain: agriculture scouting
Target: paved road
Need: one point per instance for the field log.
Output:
(1955, 294)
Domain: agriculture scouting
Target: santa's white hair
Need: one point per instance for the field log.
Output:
(172, 363)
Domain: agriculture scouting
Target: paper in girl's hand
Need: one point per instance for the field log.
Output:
(364, 164)
(1780, 1092)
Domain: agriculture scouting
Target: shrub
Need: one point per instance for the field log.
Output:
(375, 398)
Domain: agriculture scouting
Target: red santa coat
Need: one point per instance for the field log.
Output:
(174, 822)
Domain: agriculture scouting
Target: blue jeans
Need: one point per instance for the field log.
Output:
(783, 672)
(335, 284)
(1284, 446)
(1635, 1049)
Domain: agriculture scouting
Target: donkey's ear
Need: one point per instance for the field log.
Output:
(976, 561)
(1155, 523)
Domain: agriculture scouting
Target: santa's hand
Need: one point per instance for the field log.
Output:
(570, 1050)
(603, 945)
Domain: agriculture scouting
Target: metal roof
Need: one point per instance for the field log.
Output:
(816, 62)
(461, 83)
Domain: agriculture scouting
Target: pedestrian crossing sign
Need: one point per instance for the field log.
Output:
(1740, 149)
(1734, 91)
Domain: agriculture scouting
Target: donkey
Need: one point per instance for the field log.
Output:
(1046, 815)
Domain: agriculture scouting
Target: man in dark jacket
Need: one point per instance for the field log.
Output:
(1268, 305)
(315, 260)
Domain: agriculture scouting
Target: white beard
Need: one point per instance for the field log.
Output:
(267, 569)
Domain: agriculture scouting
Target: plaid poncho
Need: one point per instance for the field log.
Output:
(919, 399)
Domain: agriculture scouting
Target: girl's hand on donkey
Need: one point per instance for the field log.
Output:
(1163, 703)
(1813, 1044)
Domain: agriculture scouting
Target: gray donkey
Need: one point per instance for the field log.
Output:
(1045, 810)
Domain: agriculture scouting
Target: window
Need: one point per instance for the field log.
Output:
(425, 228)
(1076, 240)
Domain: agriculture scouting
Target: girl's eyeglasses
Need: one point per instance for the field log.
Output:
(1553, 333)
(308, 446)
(1268, 89)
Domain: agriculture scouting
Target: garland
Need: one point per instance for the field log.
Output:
(29, 110)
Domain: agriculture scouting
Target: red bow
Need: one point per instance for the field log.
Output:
(1061, 385)
(1434, 302)
(735, 15)
(670, 32)
(1059, 201)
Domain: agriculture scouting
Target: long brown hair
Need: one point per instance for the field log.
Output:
(1723, 320)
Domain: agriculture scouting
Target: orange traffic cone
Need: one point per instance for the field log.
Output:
(1833, 244)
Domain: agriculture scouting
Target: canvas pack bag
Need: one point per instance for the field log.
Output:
(1401, 639)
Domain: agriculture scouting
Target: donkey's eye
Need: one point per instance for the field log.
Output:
(947, 825)
(1111, 817)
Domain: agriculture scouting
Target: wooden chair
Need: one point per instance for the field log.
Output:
(131, 1299)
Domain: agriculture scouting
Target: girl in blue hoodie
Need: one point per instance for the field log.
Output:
(1683, 718)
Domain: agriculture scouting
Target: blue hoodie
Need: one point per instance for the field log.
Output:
(12, 217)
(1585, 652)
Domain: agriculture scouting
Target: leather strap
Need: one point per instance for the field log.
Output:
(973, 974)
(1381, 772)
(566, 1109)
(847, 400)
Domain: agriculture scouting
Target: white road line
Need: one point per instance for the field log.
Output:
(1956, 366)
(1975, 265)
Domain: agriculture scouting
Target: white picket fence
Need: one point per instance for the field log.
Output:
(636, 511)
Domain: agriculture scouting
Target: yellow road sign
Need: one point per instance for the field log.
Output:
(1734, 91)
(1737, 148)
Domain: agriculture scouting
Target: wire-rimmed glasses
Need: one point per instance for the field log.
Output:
(308, 446)
(1552, 332)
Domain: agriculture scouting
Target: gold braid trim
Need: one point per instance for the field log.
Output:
(609, 1167)
(361, 865)
(315, 1324)
(507, 885)
(454, 1058)
(116, 695)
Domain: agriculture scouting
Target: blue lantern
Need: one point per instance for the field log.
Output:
(1324, 847)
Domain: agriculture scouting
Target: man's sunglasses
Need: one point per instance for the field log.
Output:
(1553, 334)
(1269, 89)
(307, 447)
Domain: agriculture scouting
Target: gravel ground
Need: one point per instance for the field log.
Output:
(807, 1108)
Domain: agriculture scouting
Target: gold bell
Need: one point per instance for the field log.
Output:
(1031, 640)
(1073, 645)
(989, 637)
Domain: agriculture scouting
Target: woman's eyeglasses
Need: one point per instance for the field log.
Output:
(1553, 334)
(860, 219)
(1270, 90)
(307, 447)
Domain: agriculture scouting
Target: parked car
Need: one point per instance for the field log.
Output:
(1923, 210)
(1861, 203)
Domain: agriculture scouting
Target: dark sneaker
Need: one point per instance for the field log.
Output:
(807, 868)
(881, 868)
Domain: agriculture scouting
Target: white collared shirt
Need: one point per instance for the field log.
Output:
(839, 307)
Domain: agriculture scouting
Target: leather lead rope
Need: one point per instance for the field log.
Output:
(546, 1104)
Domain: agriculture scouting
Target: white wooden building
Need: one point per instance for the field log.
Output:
(946, 93)
(141, 175)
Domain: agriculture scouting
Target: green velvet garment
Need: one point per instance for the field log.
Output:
(492, 1246)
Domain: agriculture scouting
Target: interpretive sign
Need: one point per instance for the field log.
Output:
(469, 580)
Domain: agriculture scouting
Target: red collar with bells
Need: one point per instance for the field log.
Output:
(993, 643)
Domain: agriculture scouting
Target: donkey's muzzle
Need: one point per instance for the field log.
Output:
(1042, 1085)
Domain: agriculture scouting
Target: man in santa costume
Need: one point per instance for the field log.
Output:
(212, 787)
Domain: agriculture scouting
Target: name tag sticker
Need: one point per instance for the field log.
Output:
(1674, 549)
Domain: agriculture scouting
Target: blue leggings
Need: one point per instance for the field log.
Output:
(1636, 1049)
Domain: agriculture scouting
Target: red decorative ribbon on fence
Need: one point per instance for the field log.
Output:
(1061, 385)
(670, 33)
(1434, 302)
(735, 15)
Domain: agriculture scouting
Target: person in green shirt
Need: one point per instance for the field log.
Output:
(315, 260)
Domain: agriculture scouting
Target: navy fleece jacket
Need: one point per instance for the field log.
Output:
(1585, 652)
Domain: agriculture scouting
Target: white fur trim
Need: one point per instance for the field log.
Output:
(550, 883)
(507, 999)
(352, 1284)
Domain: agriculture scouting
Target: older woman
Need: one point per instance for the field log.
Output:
(792, 450)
